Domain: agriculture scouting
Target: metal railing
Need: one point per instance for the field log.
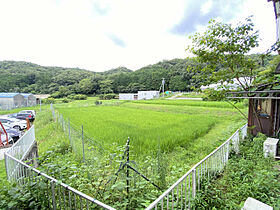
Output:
(20, 149)
(183, 191)
(52, 193)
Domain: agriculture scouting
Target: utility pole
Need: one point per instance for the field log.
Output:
(163, 82)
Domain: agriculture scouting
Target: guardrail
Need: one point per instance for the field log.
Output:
(53, 193)
(183, 191)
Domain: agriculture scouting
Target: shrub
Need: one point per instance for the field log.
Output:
(247, 174)
(55, 95)
(77, 97)
(48, 101)
(107, 96)
(65, 100)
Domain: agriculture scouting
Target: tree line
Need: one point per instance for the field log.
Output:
(19, 76)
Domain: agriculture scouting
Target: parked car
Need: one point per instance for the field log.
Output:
(23, 116)
(13, 133)
(14, 117)
(28, 112)
(18, 124)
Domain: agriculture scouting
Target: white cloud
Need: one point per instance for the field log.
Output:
(74, 33)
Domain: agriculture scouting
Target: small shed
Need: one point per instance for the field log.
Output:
(264, 110)
(143, 95)
(40, 97)
(11, 100)
(29, 99)
(128, 96)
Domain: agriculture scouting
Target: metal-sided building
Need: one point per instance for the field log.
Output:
(11, 100)
(143, 95)
(128, 96)
(29, 99)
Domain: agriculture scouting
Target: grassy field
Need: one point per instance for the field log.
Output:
(151, 124)
(146, 128)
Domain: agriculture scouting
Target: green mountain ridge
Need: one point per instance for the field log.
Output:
(21, 76)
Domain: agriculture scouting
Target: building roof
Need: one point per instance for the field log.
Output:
(8, 95)
(42, 96)
(25, 95)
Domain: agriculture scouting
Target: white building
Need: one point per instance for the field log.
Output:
(144, 95)
(141, 95)
(128, 96)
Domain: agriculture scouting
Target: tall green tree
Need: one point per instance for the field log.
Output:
(221, 52)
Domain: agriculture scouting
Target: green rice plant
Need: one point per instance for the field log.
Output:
(115, 124)
(217, 104)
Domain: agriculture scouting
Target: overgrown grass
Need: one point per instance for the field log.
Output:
(247, 174)
(48, 132)
(3, 175)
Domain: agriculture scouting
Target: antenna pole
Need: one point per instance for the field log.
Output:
(163, 82)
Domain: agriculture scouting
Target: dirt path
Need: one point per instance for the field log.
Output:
(179, 94)
(174, 97)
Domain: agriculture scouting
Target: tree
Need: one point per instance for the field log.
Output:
(106, 86)
(221, 50)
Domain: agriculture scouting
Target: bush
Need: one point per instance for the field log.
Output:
(98, 102)
(55, 95)
(247, 174)
(77, 97)
(48, 101)
(107, 96)
(65, 100)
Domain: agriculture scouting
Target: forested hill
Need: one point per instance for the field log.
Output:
(18, 76)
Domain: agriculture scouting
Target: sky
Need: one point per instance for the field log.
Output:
(99, 35)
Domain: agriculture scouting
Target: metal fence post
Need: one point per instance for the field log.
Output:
(69, 130)
(53, 195)
(83, 143)
(194, 183)
(127, 169)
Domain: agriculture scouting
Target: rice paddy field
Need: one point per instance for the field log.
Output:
(176, 127)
